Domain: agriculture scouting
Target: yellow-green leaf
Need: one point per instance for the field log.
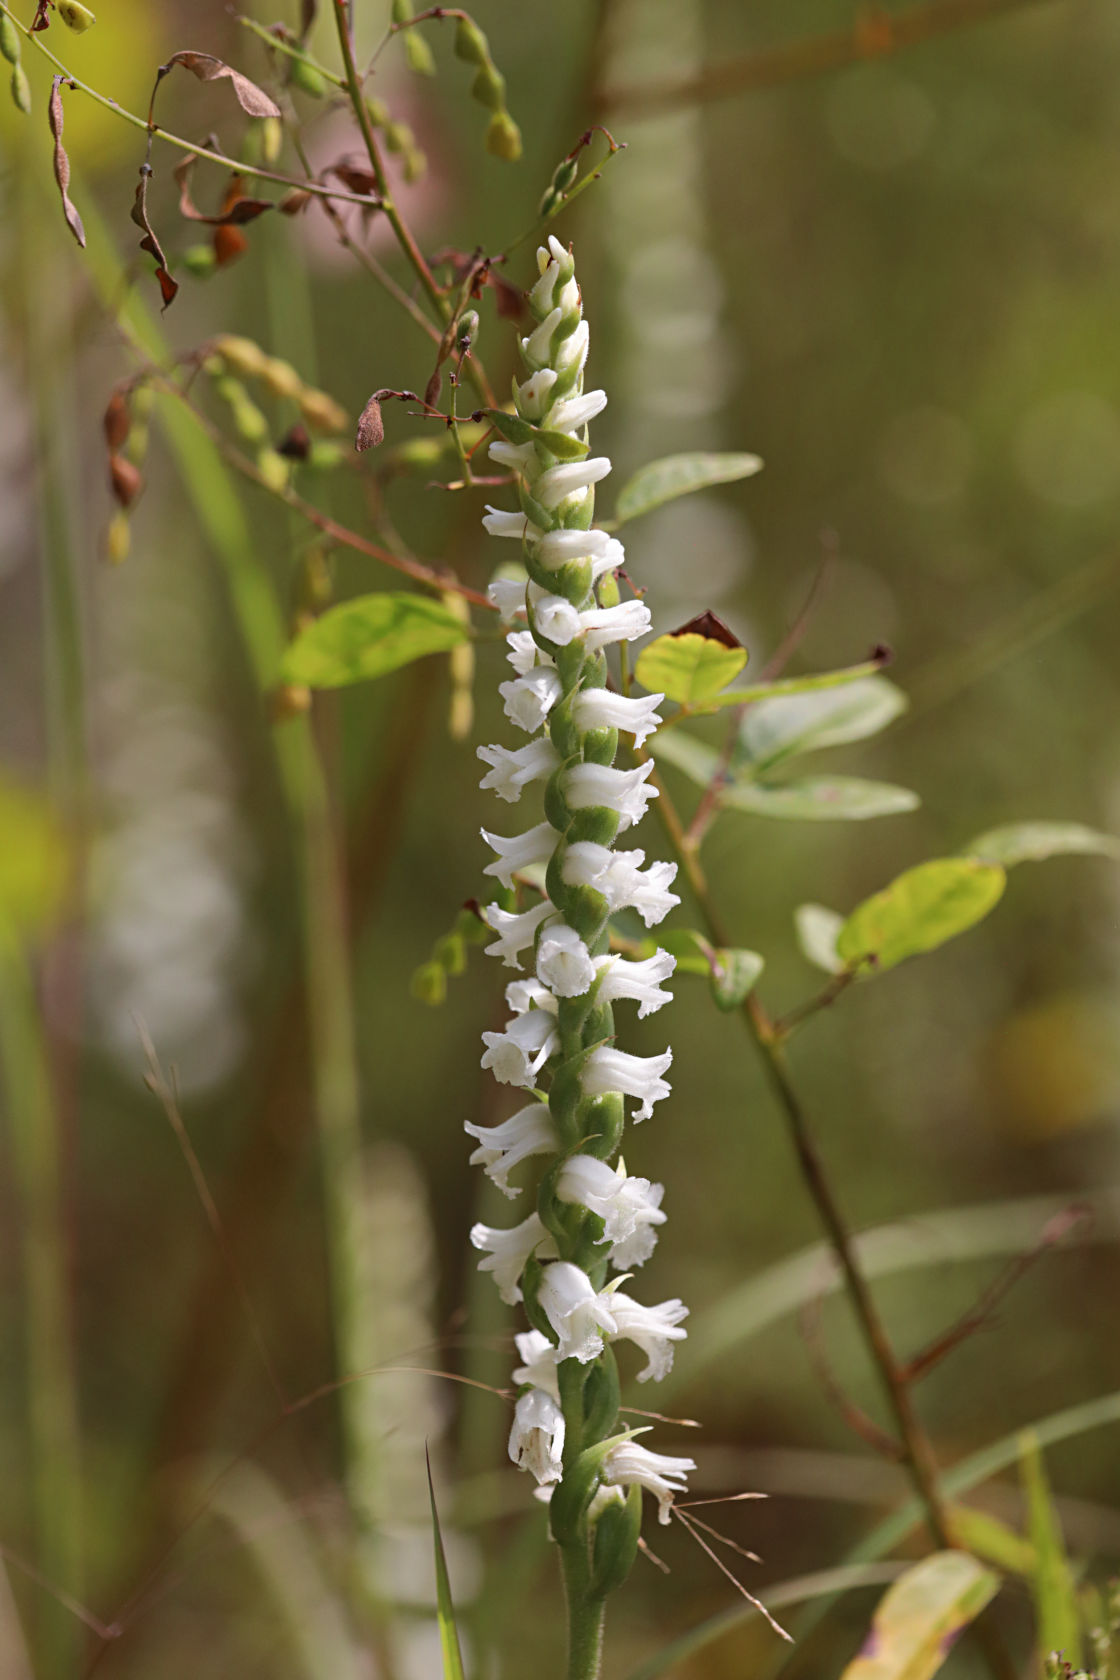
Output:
(679, 475)
(986, 1537)
(34, 860)
(920, 910)
(369, 636)
(820, 799)
(921, 1615)
(1055, 1602)
(688, 669)
(1031, 842)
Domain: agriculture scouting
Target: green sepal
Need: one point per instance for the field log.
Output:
(574, 1494)
(569, 663)
(579, 515)
(471, 44)
(609, 593)
(566, 1094)
(603, 1120)
(594, 822)
(530, 1291)
(555, 805)
(616, 1543)
(599, 1026)
(573, 581)
(562, 731)
(600, 746)
(516, 430)
(533, 510)
(602, 1396)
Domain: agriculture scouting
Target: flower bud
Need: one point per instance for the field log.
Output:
(307, 78)
(489, 87)
(9, 39)
(471, 44)
(21, 89)
(616, 1541)
(503, 137)
(75, 16)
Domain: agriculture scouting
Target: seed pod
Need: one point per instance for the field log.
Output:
(116, 421)
(471, 44)
(143, 400)
(418, 54)
(242, 355)
(9, 39)
(75, 16)
(321, 412)
(378, 112)
(429, 983)
(489, 87)
(281, 378)
(125, 480)
(199, 260)
(273, 469)
(415, 164)
(398, 136)
(248, 421)
(322, 456)
(307, 79)
(503, 137)
(21, 89)
(272, 139)
(136, 446)
(118, 538)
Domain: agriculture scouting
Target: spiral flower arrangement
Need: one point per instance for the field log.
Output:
(593, 1223)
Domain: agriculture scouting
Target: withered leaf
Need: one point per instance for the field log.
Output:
(712, 627)
(252, 99)
(354, 177)
(236, 209)
(62, 162)
(294, 201)
(116, 421)
(125, 480)
(229, 244)
(139, 213)
(509, 299)
(371, 427)
(42, 19)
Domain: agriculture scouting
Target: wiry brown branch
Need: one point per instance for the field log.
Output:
(877, 33)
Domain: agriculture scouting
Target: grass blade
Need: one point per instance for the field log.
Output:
(1055, 1602)
(445, 1608)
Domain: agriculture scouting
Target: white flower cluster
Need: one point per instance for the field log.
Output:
(558, 696)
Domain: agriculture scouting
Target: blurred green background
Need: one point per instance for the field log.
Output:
(898, 282)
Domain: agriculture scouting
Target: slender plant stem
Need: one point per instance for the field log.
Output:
(875, 34)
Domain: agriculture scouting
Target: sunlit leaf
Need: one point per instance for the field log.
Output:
(696, 758)
(1055, 1601)
(734, 976)
(817, 932)
(920, 910)
(369, 636)
(689, 669)
(920, 1617)
(34, 860)
(1031, 842)
(679, 475)
(986, 1537)
(445, 1608)
(820, 799)
(776, 729)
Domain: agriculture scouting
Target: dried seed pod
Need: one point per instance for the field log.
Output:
(125, 480)
(75, 16)
(116, 421)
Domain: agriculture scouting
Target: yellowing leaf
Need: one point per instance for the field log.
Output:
(921, 1615)
(920, 910)
(368, 637)
(688, 669)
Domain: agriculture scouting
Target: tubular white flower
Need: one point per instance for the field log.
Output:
(623, 791)
(516, 931)
(608, 1069)
(531, 1131)
(609, 558)
(531, 396)
(564, 963)
(513, 769)
(536, 1441)
(500, 522)
(539, 1361)
(530, 698)
(653, 1329)
(554, 547)
(516, 1056)
(524, 654)
(519, 851)
(636, 981)
(556, 619)
(506, 1252)
(523, 995)
(515, 455)
(576, 1312)
(628, 1207)
(621, 880)
(571, 414)
(572, 351)
(658, 1473)
(598, 708)
(558, 482)
(623, 623)
(508, 595)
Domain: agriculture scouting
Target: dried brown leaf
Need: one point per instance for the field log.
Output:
(371, 427)
(150, 243)
(708, 624)
(236, 209)
(509, 299)
(294, 202)
(42, 18)
(61, 161)
(252, 99)
(229, 244)
(354, 177)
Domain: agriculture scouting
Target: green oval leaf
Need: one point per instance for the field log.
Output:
(920, 910)
(734, 976)
(920, 1616)
(826, 717)
(515, 430)
(690, 668)
(818, 929)
(821, 799)
(368, 637)
(1031, 842)
(679, 475)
